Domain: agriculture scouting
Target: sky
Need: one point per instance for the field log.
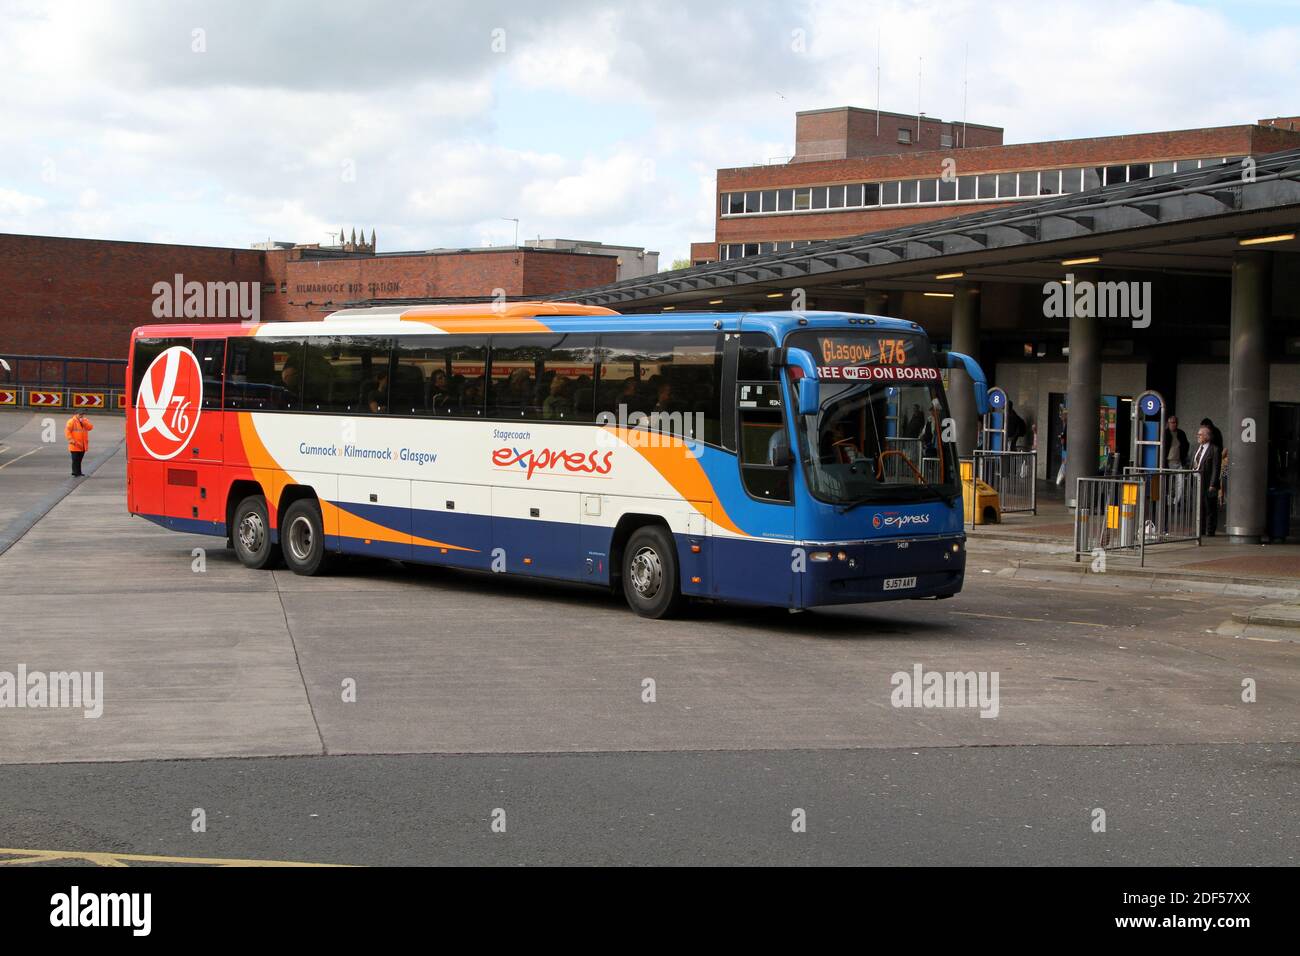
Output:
(435, 124)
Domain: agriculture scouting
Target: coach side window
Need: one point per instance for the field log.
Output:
(439, 375)
(146, 350)
(668, 382)
(546, 378)
(347, 374)
(264, 374)
(211, 354)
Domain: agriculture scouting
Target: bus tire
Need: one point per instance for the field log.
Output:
(302, 538)
(252, 534)
(650, 581)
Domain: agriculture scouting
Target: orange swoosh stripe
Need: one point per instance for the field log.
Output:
(487, 323)
(354, 526)
(348, 524)
(679, 469)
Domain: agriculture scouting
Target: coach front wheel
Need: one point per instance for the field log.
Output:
(302, 538)
(650, 581)
(252, 534)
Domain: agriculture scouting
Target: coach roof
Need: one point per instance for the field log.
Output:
(524, 317)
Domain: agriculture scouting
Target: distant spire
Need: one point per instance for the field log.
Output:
(353, 243)
(372, 239)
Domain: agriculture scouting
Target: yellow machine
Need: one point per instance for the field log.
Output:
(979, 497)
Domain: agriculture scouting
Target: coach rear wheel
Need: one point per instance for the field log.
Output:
(302, 538)
(650, 581)
(252, 534)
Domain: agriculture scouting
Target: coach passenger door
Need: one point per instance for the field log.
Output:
(759, 567)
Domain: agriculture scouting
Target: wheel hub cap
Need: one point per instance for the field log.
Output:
(300, 538)
(647, 572)
(252, 532)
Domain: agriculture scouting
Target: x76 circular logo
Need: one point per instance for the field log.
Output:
(169, 401)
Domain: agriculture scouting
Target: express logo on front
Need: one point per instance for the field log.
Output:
(169, 402)
(896, 519)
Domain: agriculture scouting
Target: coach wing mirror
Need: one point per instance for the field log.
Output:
(979, 383)
(810, 390)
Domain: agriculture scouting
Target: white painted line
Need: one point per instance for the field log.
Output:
(19, 458)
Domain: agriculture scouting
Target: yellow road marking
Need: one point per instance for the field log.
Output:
(19, 458)
(1031, 620)
(126, 859)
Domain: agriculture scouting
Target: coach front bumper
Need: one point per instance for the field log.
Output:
(885, 570)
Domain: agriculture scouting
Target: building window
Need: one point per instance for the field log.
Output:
(904, 134)
(1026, 184)
(945, 140)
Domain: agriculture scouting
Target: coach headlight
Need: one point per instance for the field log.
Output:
(819, 556)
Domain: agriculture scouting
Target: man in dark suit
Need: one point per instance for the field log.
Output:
(1205, 462)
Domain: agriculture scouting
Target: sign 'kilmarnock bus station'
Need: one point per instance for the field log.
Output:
(1186, 284)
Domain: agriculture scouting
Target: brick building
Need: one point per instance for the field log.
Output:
(855, 173)
(82, 297)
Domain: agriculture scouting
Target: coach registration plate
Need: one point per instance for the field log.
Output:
(899, 584)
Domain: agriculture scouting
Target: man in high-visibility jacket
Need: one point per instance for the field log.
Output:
(78, 432)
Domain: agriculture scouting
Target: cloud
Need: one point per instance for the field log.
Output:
(584, 119)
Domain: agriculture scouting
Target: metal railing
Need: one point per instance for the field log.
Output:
(1173, 503)
(1134, 511)
(896, 469)
(1013, 475)
(930, 471)
(59, 371)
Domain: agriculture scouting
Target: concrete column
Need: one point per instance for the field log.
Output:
(965, 338)
(1245, 522)
(876, 302)
(1083, 395)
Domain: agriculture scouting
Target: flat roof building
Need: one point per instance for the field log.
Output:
(845, 180)
(81, 297)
